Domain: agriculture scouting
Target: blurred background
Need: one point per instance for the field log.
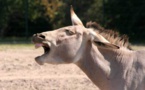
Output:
(20, 19)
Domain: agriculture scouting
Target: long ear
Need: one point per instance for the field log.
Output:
(96, 37)
(74, 18)
(106, 45)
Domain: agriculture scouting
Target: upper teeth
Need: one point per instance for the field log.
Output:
(49, 44)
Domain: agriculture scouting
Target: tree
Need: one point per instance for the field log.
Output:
(12, 17)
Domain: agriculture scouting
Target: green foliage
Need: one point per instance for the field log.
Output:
(126, 16)
(83, 9)
(13, 17)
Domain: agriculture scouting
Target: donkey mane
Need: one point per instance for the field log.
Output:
(112, 36)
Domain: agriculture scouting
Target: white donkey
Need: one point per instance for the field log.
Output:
(110, 66)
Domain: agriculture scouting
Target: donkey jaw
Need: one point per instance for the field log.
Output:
(46, 47)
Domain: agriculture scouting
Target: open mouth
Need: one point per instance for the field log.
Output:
(46, 47)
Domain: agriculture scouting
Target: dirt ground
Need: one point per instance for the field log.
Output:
(19, 71)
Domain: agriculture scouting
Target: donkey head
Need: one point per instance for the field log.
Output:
(65, 45)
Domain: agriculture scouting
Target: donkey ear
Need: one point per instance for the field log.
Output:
(94, 36)
(106, 45)
(74, 18)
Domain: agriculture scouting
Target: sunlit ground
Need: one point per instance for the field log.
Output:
(19, 71)
(30, 45)
(138, 47)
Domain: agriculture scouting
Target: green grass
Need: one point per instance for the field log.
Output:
(14, 40)
(4, 47)
(17, 43)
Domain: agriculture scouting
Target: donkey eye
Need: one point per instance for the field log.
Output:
(69, 32)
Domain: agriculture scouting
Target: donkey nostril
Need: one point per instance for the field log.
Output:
(42, 36)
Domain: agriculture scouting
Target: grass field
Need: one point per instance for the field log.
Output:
(19, 71)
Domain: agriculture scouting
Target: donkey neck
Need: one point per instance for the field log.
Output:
(95, 66)
(102, 66)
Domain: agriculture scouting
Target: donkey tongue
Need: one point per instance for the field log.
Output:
(37, 45)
